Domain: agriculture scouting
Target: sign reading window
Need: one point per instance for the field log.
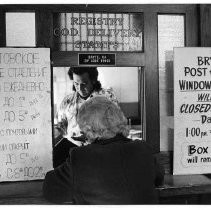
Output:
(98, 32)
(192, 110)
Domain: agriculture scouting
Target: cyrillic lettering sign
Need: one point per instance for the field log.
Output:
(25, 114)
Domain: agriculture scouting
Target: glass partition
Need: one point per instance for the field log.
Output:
(20, 29)
(171, 33)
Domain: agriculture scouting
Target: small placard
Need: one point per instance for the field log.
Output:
(98, 59)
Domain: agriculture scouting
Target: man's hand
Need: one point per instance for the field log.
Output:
(79, 140)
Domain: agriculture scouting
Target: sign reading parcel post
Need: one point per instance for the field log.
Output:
(192, 110)
(25, 114)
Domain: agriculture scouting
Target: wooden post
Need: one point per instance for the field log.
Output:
(2, 28)
(205, 21)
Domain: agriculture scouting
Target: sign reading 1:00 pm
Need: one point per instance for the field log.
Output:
(97, 59)
(98, 32)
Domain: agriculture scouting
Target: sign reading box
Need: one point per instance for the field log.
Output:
(192, 110)
(97, 59)
(25, 114)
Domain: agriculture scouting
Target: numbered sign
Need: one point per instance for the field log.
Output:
(25, 114)
(192, 110)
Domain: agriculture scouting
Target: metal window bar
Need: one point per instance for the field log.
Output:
(80, 29)
(108, 35)
(65, 23)
(87, 28)
(73, 47)
(129, 16)
(101, 37)
(142, 109)
(123, 40)
(94, 29)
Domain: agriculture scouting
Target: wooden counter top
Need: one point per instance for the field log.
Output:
(30, 192)
(174, 187)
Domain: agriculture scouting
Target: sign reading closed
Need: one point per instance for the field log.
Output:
(192, 110)
(25, 114)
(98, 32)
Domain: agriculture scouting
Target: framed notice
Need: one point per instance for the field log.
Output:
(192, 110)
(25, 114)
(99, 59)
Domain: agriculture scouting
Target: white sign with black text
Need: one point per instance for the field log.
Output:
(25, 114)
(192, 110)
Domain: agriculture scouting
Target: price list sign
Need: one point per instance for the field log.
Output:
(25, 114)
(192, 110)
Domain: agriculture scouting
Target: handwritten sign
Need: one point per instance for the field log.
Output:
(25, 114)
(192, 110)
(98, 31)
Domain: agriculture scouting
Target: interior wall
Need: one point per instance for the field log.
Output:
(124, 82)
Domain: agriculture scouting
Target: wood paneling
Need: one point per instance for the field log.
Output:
(63, 58)
(192, 26)
(151, 80)
(2, 29)
(22, 193)
(44, 28)
(160, 8)
(205, 21)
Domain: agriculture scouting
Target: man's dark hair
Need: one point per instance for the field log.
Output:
(92, 72)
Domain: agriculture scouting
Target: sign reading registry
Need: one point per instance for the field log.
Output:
(98, 32)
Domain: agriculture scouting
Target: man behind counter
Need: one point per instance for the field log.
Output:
(67, 133)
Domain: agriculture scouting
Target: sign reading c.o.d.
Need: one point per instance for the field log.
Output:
(25, 114)
(192, 110)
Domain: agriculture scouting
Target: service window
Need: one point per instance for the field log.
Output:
(125, 82)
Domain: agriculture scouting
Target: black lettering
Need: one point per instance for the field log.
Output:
(203, 60)
(191, 149)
